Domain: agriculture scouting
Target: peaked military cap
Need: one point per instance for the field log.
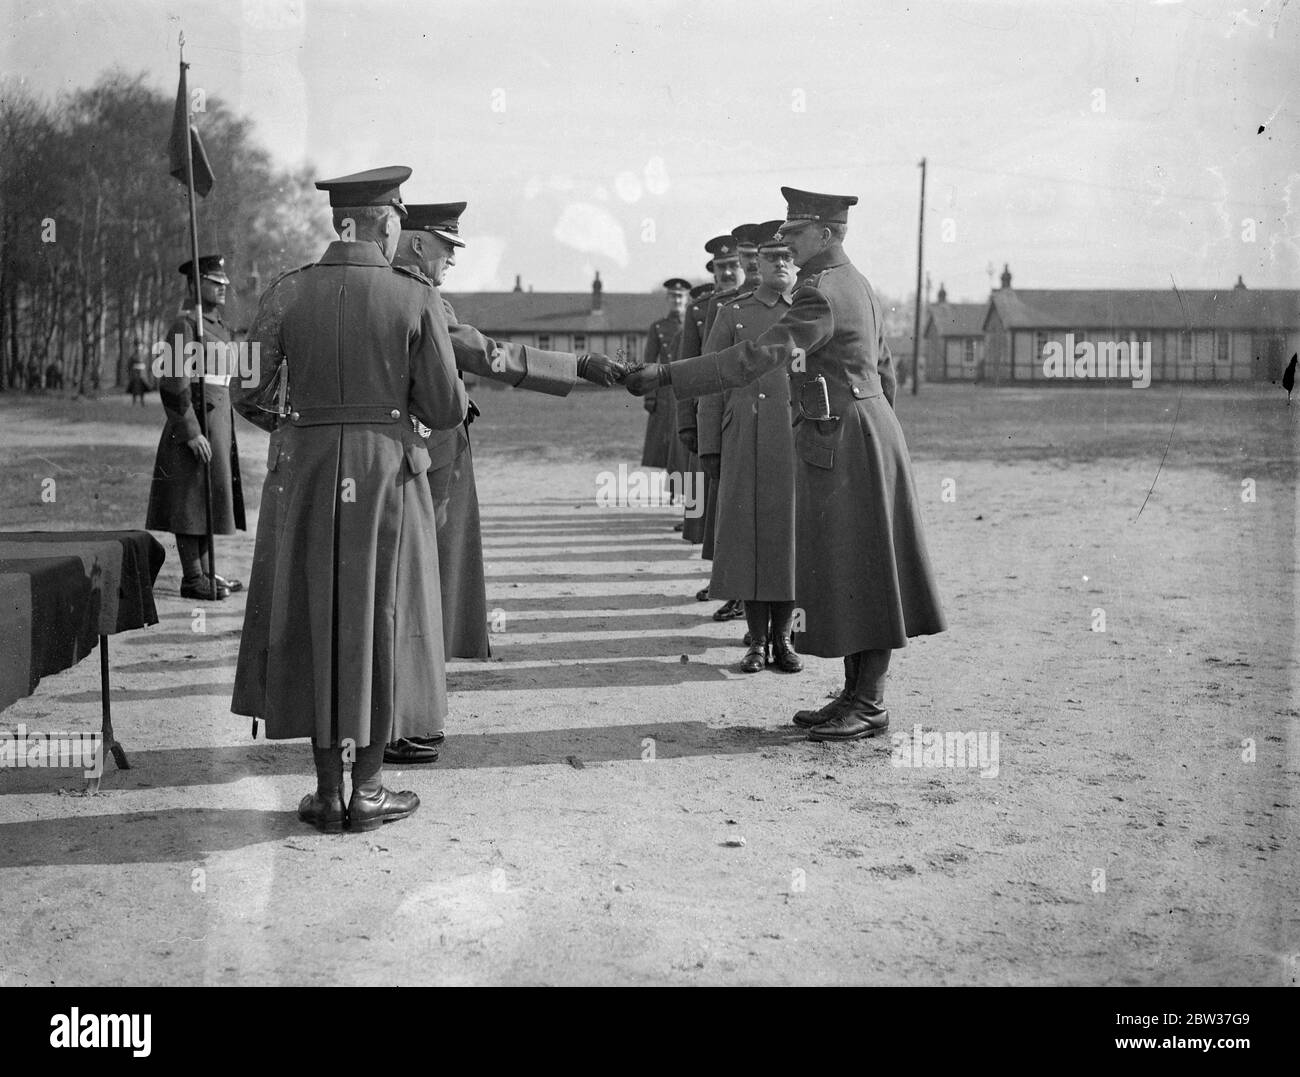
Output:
(375, 187)
(723, 247)
(440, 218)
(746, 235)
(769, 235)
(676, 284)
(700, 289)
(808, 207)
(211, 267)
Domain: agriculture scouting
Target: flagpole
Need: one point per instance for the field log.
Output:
(196, 278)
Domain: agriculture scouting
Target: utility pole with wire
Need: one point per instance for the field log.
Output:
(916, 322)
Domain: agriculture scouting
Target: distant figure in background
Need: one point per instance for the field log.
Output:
(177, 495)
(661, 347)
(53, 376)
(135, 382)
(1288, 379)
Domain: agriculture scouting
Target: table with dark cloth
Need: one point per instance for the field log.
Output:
(63, 591)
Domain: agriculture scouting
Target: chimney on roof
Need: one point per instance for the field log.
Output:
(597, 299)
(1240, 286)
(943, 295)
(1006, 275)
(519, 283)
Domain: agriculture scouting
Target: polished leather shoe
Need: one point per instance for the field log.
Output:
(702, 595)
(202, 589)
(413, 750)
(326, 814)
(230, 585)
(731, 610)
(756, 660)
(851, 724)
(808, 719)
(370, 811)
(784, 657)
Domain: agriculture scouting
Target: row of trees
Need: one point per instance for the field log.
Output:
(92, 227)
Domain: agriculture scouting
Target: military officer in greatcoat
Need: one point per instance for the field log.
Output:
(428, 244)
(726, 268)
(754, 554)
(178, 492)
(708, 408)
(661, 347)
(862, 573)
(348, 650)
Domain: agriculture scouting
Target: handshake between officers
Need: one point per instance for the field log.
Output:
(344, 638)
(862, 574)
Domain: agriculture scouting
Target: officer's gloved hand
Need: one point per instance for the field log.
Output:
(689, 439)
(650, 403)
(471, 413)
(646, 379)
(711, 465)
(599, 369)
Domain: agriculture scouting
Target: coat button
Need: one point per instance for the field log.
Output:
(740, 325)
(857, 391)
(395, 414)
(762, 396)
(295, 416)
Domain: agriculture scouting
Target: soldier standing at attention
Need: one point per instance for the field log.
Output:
(754, 555)
(725, 265)
(862, 573)
(177, 494)
(350, 649)
(661, 347)
(708, 411)
(430, 236)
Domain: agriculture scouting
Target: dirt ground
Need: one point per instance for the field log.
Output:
(585, 822)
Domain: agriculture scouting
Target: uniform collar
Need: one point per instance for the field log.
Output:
(365, 253)
(210, 314)
(770, 297)
(828, 259)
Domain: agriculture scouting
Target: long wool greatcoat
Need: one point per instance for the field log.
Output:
(352, 644)
(660, 427)
(862, 574)
(753, 556)
(451, 478)
(681, 461)
(176, 494)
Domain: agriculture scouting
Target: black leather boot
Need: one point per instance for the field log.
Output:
(808, 719)
(323, 809)
(783, 653)
(864, 714)
(371, 805)
(755, 660)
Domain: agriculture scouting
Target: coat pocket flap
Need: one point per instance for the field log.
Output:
(822, 456)
(417, 458)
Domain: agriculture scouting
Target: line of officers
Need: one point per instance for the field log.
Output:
(367, 568)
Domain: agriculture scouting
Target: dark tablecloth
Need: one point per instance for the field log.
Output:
(61, 590)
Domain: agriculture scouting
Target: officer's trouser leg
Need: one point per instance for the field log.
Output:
(193, 550)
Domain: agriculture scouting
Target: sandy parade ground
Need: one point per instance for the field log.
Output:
(616, 804)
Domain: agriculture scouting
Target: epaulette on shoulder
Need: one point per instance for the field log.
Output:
(740, 297)
(811, 282)
(415, 274)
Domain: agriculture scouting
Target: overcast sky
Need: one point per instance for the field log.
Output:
(1087, 144)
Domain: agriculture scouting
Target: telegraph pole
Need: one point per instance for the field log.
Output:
(916, 324)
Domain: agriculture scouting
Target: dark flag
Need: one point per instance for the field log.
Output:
(176, 146)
